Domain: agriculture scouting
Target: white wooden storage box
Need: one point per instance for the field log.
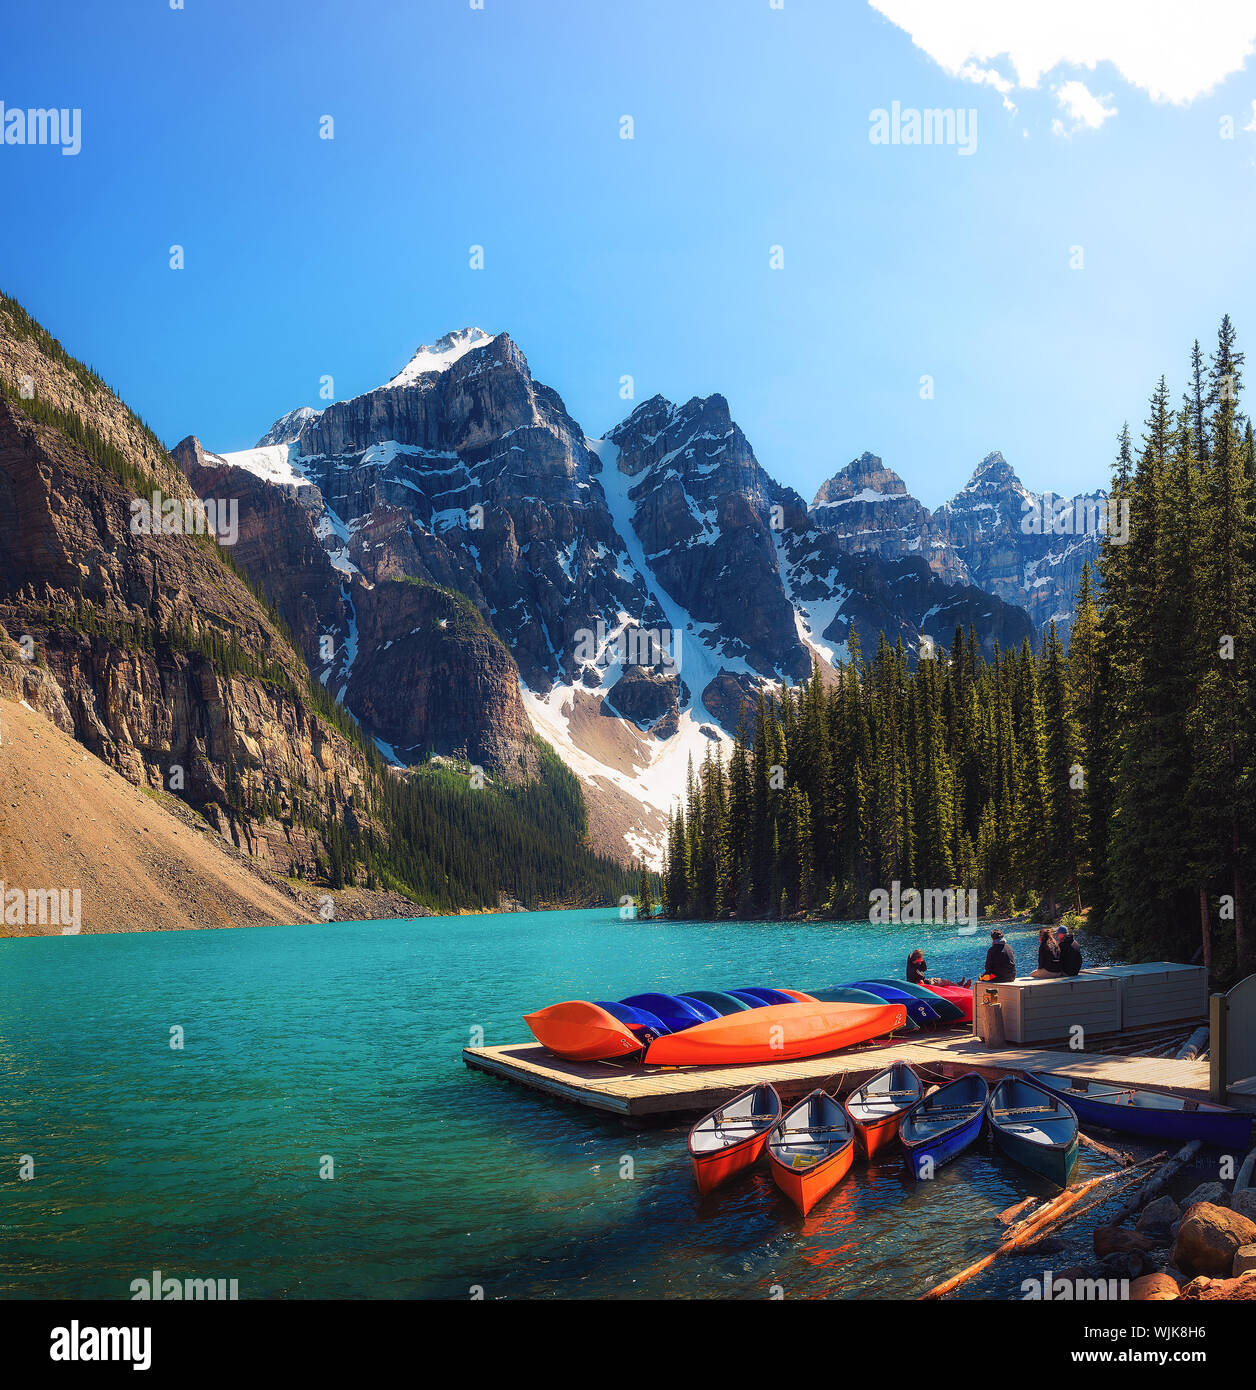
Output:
(1161, 992)
(1046, 1010)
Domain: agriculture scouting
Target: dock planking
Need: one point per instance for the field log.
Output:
(634, 1091)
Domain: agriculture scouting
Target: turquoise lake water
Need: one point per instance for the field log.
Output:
(344, 1039)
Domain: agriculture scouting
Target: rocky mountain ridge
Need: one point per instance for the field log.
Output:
(995, 534)
(645, 585)
(167, 613)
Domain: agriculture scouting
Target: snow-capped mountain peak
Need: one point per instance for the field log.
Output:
(994, 470)
(287, 429)
(440, 355)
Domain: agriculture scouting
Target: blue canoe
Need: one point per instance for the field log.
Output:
(677, 1013)
(637, 1019)
(1034, 1128)
(846, 994)
(1132, 1111)
(944, 1124)
(945, 1010)
(761, 995)
(917, 1010)
(719, 1000)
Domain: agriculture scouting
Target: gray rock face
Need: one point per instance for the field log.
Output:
(840, 594)
(466, 477)
(703, 511)
(288, 427)
(1025, 548)
(476, 477)
(869, 508)
(644, 696)
(466, 473)
(991, 526)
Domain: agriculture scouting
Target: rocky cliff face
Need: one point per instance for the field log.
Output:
(1015, 544)
(147, 647)
(867, 506)
(767, 588)
(702, 509)
(379, 616)
(435, 534)
(990, 535)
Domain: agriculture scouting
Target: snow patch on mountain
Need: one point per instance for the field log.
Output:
(273, 463)
(440, 355)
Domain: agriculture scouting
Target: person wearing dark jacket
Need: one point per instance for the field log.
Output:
(1000, 962)
(1070, 952)
(917, 968)
(1048, 957)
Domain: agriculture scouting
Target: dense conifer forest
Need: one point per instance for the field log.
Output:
(1111, 781)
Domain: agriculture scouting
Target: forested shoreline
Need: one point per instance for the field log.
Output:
(1111, 781)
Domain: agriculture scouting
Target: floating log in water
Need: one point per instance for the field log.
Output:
(1195, 1045)
(1046, 1222)
(1157, 1181)
(1036, 1225)
(1116, 1155)
(1010, 1214)
(1125, 1179)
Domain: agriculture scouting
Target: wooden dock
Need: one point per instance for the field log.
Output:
(635, 1091)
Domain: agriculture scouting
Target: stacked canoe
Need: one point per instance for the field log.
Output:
(751, 1024)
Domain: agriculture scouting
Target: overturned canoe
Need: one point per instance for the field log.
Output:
(774, 1033)
(877, 1108)
(637, 1019)
(957, 995)
(732, 1136)
(582, 1032)
(718, 1000)
(764, 995)
(1034, 1128)
(676, 1013)
(921, 1013)
(1133, 1111)
(940, 1003)
(811, 1149)
(847, 994)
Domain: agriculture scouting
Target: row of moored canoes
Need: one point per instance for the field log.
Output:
(754, 1024)
(811, 1147)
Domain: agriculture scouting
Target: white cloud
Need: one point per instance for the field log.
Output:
(1172, 50)
(992, 77)
(1082, 106)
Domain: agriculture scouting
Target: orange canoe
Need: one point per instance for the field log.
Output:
(582, 1032)
(732, 1136)
(775, 1033)
(811, 1149)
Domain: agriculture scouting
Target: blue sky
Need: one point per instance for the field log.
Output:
(603, 257)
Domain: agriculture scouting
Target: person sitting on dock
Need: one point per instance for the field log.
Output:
(916, 968)
(1048, 958)
(1000, 962)
(1070, 952)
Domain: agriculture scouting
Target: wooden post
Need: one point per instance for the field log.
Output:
(1218, 1055)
